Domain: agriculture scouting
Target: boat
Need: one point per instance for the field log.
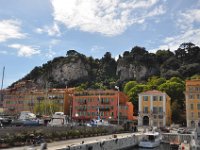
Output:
(26, 118)
(151, 140)
(58, 119)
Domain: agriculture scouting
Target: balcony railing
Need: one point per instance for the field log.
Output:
(82, 109)
(104, 109)
(105, 102)
(83, 103)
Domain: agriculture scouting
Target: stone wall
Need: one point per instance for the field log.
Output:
(114, 143)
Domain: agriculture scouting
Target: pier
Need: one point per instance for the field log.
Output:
(111, 142)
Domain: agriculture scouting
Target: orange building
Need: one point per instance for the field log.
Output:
(90, 104)
(24, 97)
(192, 96)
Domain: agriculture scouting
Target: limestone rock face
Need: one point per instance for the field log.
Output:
(70, 71)
(130, 71)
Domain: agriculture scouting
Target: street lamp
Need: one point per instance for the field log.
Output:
(116, 87)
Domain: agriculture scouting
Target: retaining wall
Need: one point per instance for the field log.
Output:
(114, 143)
(175, 137)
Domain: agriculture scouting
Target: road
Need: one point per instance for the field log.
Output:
(64, 144)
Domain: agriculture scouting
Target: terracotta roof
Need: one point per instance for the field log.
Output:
(152, 92)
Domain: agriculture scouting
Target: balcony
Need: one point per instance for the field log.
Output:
(104, 109)
(82, 109)
(105, 102)
(83, 103)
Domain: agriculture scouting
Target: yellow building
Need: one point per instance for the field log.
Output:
(154, 109)
(192, 96)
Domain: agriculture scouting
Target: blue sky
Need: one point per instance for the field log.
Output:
(35, 31)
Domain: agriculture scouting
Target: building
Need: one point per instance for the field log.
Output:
(154, 109)
(192, 96)
(90, 104)
(24, 97)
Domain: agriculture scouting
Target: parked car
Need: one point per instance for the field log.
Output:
(164, 129)
(181, 130)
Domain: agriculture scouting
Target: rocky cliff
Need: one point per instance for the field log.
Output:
(137, 64)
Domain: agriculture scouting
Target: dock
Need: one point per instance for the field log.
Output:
(111, 142)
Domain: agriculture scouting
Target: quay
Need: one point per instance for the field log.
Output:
(111, 142)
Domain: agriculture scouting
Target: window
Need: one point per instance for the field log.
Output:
(155, 110)
(160, 116)
(145, 98)
(160, 109)
(198, 96)
(192, 114)
(190, 89)
(161, 98)
(191, 106)
(198, 106)
(191, 96)
(145, 109)
(199, 114)
(155, 98)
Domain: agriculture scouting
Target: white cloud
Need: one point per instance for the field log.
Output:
(188, 33)
(25, 50)
(50, 30)
(50, 54)
(108, 17)
(54, 42)
(188, 18)
(97, 49)
(10, 29)
(174, 42)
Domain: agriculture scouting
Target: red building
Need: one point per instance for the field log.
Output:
(87, 105)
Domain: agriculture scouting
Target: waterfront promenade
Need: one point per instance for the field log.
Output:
(73, 142)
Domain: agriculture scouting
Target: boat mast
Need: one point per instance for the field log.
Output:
(1, 100)
(2, 78)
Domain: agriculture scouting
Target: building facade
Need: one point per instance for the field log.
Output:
(91, 104)
(154, 109)
(192, 96)
(24, 98)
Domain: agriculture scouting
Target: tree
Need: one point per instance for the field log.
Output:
(129, 85)
(46, 108)
(155, 81)
(72, 53)
(107, 68)
(175, 88)
(163, 55)
(133, 95)
(178, 114)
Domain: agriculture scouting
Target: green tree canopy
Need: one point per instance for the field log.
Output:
(129, 85)
(46, 108)
(154, 82)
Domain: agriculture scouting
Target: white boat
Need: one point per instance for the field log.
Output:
(151, 140)
(58, 119)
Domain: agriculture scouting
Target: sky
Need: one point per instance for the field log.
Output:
(33, 32)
